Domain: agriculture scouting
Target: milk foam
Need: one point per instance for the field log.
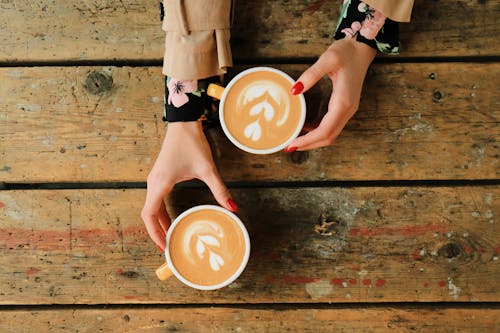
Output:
(264, 99)
(207, 236)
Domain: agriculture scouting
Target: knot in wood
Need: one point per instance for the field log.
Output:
(432, 76)
(299, 157)
(436, 96)
(450, 250)
(98, 83)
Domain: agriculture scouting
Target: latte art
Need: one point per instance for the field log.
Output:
(207, 247)
(202, 240)
(265, 101)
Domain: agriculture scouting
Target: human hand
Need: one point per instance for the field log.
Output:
(345, 62)
(185, 154)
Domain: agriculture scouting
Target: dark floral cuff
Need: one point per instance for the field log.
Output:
(187, 100)
(369, 26)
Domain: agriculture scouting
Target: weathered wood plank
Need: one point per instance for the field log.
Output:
(220, 319)
(72, 118)
(304, 29)
(80, 30)
(104, 124)
(112, 29)
(308, 245)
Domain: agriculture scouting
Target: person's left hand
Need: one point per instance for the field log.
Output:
(345, 62)
(185, 155)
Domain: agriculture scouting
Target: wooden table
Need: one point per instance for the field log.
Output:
(393, 228)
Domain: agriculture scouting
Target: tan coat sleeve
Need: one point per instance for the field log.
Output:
(197, 38)
(396, 10)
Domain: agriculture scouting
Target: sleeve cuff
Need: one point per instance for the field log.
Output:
(369, 26)
(187, 100)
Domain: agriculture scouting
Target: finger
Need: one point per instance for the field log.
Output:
(317, 135)
(219, 190)
(319, 144)
(163, 217)
(154, 229)
(155, 193)
(334, 133)
(328, 130)
(152, 215)
(326, 63)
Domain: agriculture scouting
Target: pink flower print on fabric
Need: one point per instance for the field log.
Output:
(177, 90)
(350, 32)
(373, 22)
(363, 7)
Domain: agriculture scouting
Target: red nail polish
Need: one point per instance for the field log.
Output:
(297, 88)
(232, 205)
(290, 149)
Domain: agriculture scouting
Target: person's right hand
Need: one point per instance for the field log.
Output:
(185, 155)
(345, 62)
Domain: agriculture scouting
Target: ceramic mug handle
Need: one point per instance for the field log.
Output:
(215, 91)
(164, 272)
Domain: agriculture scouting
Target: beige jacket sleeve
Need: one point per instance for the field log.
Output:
(396, 10)
(197, 38)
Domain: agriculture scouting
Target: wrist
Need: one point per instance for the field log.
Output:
(365, 50)
(183, 133)
(185, 127)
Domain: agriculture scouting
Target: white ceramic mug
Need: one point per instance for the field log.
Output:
(223, 94)
(168, 269)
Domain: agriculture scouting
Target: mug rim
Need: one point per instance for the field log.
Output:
(235, 275)
(238, 143)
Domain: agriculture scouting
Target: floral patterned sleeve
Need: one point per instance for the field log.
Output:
(368, 25)
(187, 100)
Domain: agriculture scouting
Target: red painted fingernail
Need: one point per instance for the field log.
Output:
(297, 88)
(160, 249)
(232, 205)
(290, 149)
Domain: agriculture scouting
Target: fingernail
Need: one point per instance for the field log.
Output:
(290, 149)
(160, 249)
(232, 205)
(297, 88)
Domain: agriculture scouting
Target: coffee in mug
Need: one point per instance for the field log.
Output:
(257, 111)
(207, 248)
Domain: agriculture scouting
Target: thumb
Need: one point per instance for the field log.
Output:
(219, 190)
(324, 65)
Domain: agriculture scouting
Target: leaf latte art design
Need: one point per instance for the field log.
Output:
(253, 130)
(205, 236)
(265, 102)
(203, 245)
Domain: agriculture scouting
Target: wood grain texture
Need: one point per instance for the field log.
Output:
(309, 245)
(80, 30)
(234, 319)
(58, 122)
(104, 124)
(290, 29)
(130, 30)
